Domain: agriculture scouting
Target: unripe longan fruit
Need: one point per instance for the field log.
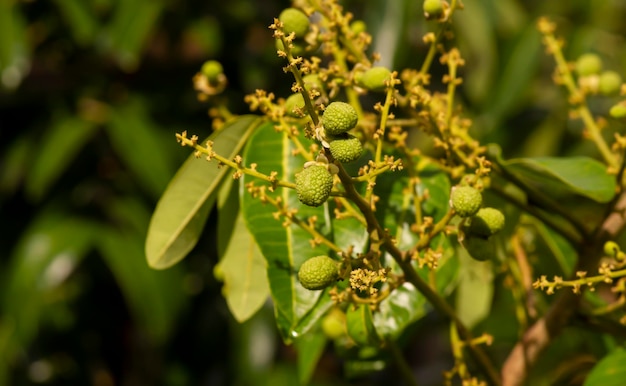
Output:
(346, 148)
(618, 111)
(339, 117)
(433, 8)
(588, 64)
(610, 82)
(313, 185)
(374, 79)
(293, 101)
(465, 200)
(486, 222)
(212, 69)
(318, 273)
(479, 248)
(294, 20)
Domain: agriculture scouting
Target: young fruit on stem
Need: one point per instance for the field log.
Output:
(486, 222)
(345, 148)
(465, 200)
(318, 273)
(294, 20)
(313, 185)
(339, 117)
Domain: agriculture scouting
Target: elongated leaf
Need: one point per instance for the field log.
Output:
(610, 371)
(83, 23)
(134, 137)
(127, 33)
(360, 325)
(154, 298)
(184, 207)
(474, 295)
(566, 176)
(404, 306)
(245, 274)
(310, 348)
(60, 144)
(285, 247)
(46, 255)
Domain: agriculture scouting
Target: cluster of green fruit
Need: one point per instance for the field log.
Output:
(589, 66)
(479, 224)
(314, 183)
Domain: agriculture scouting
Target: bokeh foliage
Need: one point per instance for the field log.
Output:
(92, 93)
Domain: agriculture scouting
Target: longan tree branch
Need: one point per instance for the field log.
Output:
(535, 340)
(412, 277)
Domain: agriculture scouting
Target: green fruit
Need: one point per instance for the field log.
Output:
(339, 117)
(294, 20)
(479, 248)
(313, 82)
(588, 64)
(374, 79)
(318, 273)
(346, 148)
(293, 101)
(486, 222)
(358, 26)
(212, 69)
(313, 185)
(611, 248)
(619, 110)
(610, 82)
(298, 47)
(334, 324)
(465, 200)
(433, 8)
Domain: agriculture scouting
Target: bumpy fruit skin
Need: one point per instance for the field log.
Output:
(480, 248)
(339, 117)
(465, 200)
(610, 82)
(374, 78)
(433, 8)
(294, 20)
(588, 64)
(293, 101)
(318, 273)
(313, 185)
(212, 69)
(618, 111)
(346, 148)
(486, 222)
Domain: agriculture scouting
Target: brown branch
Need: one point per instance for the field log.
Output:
(537, 338)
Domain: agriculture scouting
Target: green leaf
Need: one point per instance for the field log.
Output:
(184, 207)
(520, 67)
(154, 297)
(82, 22)
(310, 348)
(360, 325)
(610, 371)
(565, 176)
(245, 274)
(285, 248)
(44, 258)
(61, 143)
(474, 294)
(135, 139)
(404, 306)
(14, 46)
(128, 33)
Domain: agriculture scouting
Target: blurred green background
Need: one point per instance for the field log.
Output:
(91, 95)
